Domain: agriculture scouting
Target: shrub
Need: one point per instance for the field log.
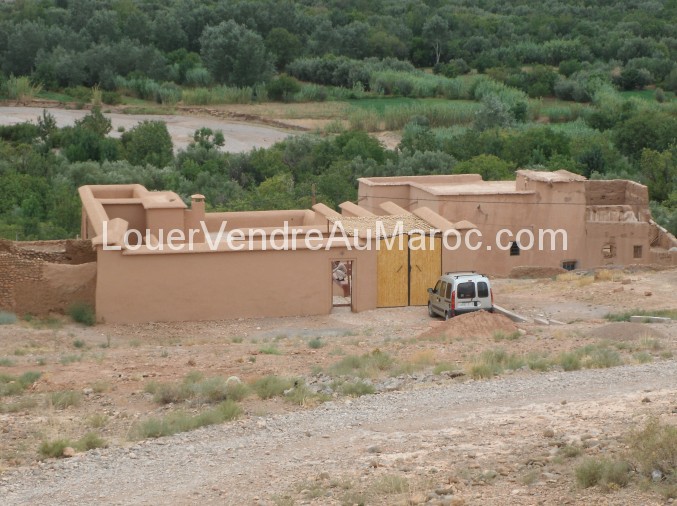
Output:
(179, 421)
(602, 358)
(367, 365)
(316, 343)
(270, 350)
(493, 362)
(82, 313)
(271, 386)
(282, 88)
(654, 447)
(607, 473)
(12, 385)
(357, 388)
(54, 449)
(7, 318)
(21, 89)
(111, 97)
(64, 399)
(391, 484)
(90, 441)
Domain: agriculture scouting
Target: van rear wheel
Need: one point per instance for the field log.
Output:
(447, 315)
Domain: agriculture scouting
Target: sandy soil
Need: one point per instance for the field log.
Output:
(240, 136)
(111, 365)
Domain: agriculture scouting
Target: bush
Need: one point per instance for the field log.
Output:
(493, 362)
(283, 88)
(64, 399)
(12, 385)
(54, 449)
(179, 421)
(357, 388)
(654, 447)
(271, 386)
(316, 343)
(367, 365)
(82, 313)
(111, 97)
(609, 474)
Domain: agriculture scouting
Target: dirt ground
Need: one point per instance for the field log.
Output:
(111, 366)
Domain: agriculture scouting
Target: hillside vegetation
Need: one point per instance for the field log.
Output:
(484, 87)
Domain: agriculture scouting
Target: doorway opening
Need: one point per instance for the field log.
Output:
(342, 283)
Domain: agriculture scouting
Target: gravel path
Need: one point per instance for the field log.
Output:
(240, 137)
(242, 462)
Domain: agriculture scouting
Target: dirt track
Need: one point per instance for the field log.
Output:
(428, 435)
(240, 137)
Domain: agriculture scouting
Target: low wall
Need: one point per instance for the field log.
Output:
(46, 276)
(142, 286)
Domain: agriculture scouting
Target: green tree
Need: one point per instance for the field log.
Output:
(235, 55)
(435, 33)
(653, 130)
(284, 45)
(490, 167)
(659, 171)
(148, 142)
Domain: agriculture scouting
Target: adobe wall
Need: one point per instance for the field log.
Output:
(371, 197)
(165, 286)
(255, 219)
(46, 276)
(613, 243)
(133, 214)
(618, 192)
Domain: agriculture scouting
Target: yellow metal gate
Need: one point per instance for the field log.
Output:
(404, 274)
(425, 266)
(392, 272)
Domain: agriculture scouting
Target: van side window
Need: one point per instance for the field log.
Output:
(448, 295)
(443, 289)
(466, 290)
(482, 289)
(437, 287)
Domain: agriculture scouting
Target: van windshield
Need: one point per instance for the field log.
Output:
(466, 290)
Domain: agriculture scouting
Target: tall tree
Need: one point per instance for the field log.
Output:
(234, 54)
(435, 32)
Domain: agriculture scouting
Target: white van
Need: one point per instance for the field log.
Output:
(460, 292)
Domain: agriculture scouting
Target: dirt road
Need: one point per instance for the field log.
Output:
(240, 137)
(443, 436)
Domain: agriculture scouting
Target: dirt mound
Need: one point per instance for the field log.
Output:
(476, 324)
(531, 272)
(626, 331)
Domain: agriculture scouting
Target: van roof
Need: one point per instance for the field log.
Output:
(464, 274)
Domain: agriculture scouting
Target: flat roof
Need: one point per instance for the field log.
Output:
(479, 188)
(473, 184)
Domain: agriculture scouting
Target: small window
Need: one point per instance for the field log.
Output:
(466, 290)
(569, 265)
(514, 249)
(448, 293)
(482, 289)
(637, 252)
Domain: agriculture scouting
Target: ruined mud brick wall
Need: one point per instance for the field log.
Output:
(43, 276)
